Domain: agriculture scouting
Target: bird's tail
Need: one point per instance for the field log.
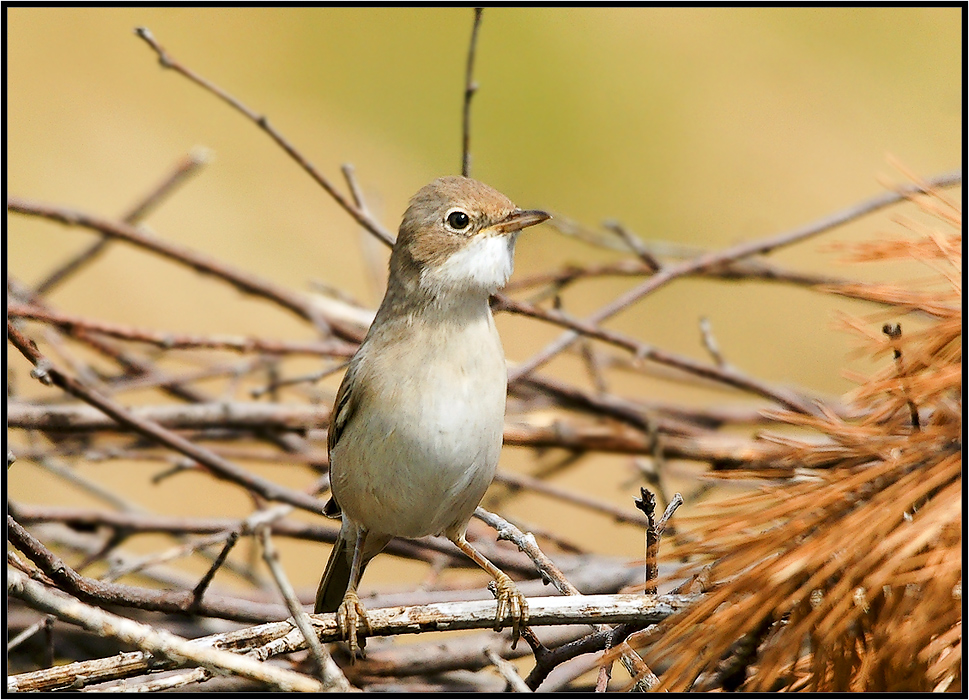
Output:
(336, 578)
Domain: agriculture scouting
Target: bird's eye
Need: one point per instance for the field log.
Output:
(457, 220)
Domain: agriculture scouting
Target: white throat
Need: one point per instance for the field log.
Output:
(483, 266)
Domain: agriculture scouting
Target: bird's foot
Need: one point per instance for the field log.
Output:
(510, 602)
(348, 616)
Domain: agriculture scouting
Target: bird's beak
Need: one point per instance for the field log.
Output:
(520, 219)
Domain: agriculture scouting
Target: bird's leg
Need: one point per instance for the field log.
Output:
(351, 611)
(510, 599)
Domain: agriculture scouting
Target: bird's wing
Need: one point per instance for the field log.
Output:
(343, 409)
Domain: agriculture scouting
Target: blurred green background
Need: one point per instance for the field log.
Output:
(704, 126)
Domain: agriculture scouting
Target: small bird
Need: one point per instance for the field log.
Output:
(416, 428)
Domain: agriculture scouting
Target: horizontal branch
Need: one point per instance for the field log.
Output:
(423, 549)
(591, 437)
(105, 593)
(753, 269)
(300, 304)
(722, 449)
(480, 614)
(182, 341)
(222, 468)
(277, 637)
(200, 416)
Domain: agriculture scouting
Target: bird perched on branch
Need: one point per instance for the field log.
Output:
(416, 429)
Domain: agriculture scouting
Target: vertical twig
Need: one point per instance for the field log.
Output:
(654, 531)
(470, 87)
(647, 504)
(376, 266)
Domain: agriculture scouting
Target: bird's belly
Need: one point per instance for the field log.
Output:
(423, 468)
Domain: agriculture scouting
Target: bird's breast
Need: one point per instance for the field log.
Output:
(425, 439)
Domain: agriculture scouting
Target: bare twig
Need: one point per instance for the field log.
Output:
(527, 544)
(361, 217)
(185, 168)
(508, 672)
(300, 304)
(726, 375)
(710, 342)
(635, 244)
(42, 624)
(671, 507)
(93, 591)
(733, 253)
(199, 591)
(470, 87)
(182, 341)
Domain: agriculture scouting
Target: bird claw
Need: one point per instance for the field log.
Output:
(510, 602)
(348, 616)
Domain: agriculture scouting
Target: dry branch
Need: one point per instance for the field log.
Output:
(157, 642)
(282, 637)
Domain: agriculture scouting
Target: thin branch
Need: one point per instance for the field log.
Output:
(523, 481)
(635, 244)
(748, 269)
(94, 591)
(361, 217)
(424, 549)
(725, 375)
(710, 342)
(199, 591)
(527, 544)
(300, 304)
(185, 168)
(182, 341)
(42, 624)
(508, 672)
(470, 87)
(733, 253)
